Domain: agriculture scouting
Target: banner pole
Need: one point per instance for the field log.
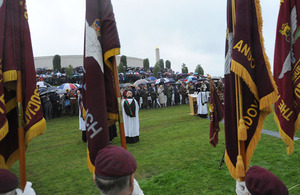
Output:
(19, 97)
(118, 95)
(241, 128)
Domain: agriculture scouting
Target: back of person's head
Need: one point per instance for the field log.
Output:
(114, 170)
(260, 181)
(119, 186)
(8, 182)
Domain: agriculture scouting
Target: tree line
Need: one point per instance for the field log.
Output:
(122, 67)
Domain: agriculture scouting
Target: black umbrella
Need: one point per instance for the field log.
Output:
(47, 92)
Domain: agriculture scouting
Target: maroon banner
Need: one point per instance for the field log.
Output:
(216, 114)
(99, 99)
(286, 72)
(3, 119)
(245, 61)
(16, 55)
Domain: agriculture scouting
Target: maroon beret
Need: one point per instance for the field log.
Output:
(8, 181)
(260, 181)
(114, 161)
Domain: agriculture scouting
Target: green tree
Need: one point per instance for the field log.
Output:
(184, 69)
(168, 64)
(161, 63)
(56, 62)
(156, 69)
(199, 69)
(146, 63)
(121, 68)
(69, 70)
(124, 60)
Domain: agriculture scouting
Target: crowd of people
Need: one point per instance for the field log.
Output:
(55, 104)
(151, 95)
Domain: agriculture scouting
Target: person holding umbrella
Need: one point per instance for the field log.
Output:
(168, 92)
(73, 102)
(145, 94)
(153, 90)
(81, 120)
(183, 92)
(161, 95)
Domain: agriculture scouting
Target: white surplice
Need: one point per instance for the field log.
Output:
(202, 102)
(131, 124)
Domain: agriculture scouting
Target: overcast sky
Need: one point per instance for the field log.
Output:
(190, 31)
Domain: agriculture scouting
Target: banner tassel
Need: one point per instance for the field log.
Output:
(242, 130)
(240, 168)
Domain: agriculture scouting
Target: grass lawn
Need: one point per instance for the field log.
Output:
(174, 157)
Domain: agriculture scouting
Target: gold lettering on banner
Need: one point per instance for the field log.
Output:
(296, 72)
(251, 114)
(285, 111)
(297, 91)
(244, 49)
(21, 3)
(2, 101)
(33, 106)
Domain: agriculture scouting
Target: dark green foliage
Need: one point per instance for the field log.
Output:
(184, 68)
(121, 68)
(156, 69)
(146, 63)
(56, 62)
(168, 64)
(161, 64)
(69, 70)
(199, 70)
(124, 60)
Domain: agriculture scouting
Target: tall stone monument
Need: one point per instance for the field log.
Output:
(157, 54)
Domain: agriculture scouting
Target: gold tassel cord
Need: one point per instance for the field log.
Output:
(240, 167)
(242, 130)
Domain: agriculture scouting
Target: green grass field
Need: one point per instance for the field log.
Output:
(174, 157)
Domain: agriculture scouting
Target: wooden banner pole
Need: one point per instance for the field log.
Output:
(23, 178)
(118, 95)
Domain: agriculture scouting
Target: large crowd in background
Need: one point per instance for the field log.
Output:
(168, 90)
(156, 95)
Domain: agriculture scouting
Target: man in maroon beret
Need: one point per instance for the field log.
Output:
(260, 181)
(8, 182)
(114, 172)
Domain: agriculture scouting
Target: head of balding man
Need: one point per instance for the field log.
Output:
(129, 94)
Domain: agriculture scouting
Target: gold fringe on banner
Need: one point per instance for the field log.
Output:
(37, 129)
(108, 54)
(250, 149)
(90, 164)
(271, 98)
(4, 130)
(9, 76)
(289, 142)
